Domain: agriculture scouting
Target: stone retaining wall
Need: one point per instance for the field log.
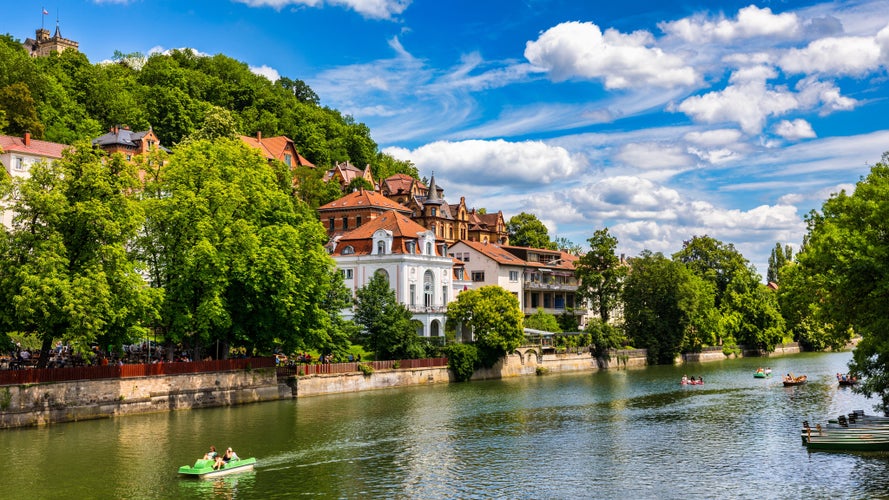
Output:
(316, 385)
(52, 402)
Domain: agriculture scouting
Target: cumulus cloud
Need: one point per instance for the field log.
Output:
(834, 55)
(794, 130)
(751, 22)
(582, 50)
(494, 162)
(882, 40)
(266, 71)
(373, 9)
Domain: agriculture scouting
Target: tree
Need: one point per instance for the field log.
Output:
(20, 110)
(845, 262)
(526, 230)
(359, 183)
(568, 246)
(601, 274)
(603, 337)
(218, 123)
(494, 316)
(542, 320)
(779, 258)
(664, 302)
(240, 261)
(386, 326)
(64, 270)
(752, 315)
(714, 261)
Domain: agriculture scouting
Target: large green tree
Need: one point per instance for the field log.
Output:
(240, 260)
(64, 270)
(601, 274)
(494, 317)
(542, 320)
(846, 266)
(666, 306)
(715, 261)
(526, 230)
(385, 324)
(778, 258)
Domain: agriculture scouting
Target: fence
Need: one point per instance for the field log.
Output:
(331, 368)
(36, 376)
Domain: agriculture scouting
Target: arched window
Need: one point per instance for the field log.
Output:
(428, 289)
(428, 248)
(348, 250)
(381, 247)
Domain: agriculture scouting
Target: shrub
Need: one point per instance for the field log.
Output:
(542, 370)
(463, 360)
(366, 369)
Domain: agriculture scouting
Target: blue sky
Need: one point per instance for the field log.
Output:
(659, 120)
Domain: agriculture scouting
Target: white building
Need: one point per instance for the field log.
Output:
(415, 263)
(18, 154)
(539, 278)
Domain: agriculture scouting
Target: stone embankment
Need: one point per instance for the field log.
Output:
(52, 402)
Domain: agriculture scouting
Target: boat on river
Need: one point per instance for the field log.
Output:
(791, 380)
(203, 468)
(845, 380)
(762, 373)
(847, 434)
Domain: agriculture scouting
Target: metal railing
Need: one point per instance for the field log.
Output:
(334, 368)
(41, 375)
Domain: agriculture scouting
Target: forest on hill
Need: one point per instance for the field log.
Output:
(66, 98)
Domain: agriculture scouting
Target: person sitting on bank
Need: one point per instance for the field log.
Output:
(225, 458)
(211, 455)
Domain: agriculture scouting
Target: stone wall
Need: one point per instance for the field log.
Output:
(41, 404)
(316, 385)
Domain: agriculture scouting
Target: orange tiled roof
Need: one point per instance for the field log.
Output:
(273, 148)
(11, 144)
(361, 238)
(363, 199)
(494, 252)
(400, 183)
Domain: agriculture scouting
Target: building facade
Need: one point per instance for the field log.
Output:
(43, 45)
(415, 263)
(18, 155)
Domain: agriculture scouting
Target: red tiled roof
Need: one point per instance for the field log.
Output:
(363, 199)
(493, 251)
(499, 254)
(400, 183)
(45, 149)
(361, 238)
(273, 148)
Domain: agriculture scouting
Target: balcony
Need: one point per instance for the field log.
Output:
(561, 287)
(427, 309)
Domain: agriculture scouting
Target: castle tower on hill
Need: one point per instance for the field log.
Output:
(44, 45)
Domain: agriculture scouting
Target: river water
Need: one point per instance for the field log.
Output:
(612, 434)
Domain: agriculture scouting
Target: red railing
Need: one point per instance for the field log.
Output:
(36, 376)
(331, 368)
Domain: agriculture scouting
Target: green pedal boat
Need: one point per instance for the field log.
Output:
(204, 468)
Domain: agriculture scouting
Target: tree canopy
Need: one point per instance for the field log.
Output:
(386, 326)
(493, 315)
(601, 274)
(526, 230)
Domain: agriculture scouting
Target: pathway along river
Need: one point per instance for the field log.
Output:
(613, 434)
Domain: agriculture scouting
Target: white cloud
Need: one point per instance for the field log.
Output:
(373, 9)
(796, 129)
(715, 137)
(582, 50)
(834, 55)
(497, 162)
(654, 156)
(814, 93)
(751, 22)
(266, 71)
(882, 40)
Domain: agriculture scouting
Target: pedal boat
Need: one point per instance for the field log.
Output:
(204, 468)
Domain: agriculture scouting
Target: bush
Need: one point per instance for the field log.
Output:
(463, 360)
(542, 370)
(366, 369)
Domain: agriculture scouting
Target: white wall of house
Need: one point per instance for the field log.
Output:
(506, 276)
(17, 165)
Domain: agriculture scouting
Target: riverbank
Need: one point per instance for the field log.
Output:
(39, 404)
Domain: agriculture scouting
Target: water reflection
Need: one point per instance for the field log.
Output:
(634, 433)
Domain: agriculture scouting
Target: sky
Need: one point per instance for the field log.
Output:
(657, 120)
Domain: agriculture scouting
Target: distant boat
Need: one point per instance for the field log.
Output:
(762, 374)
(791, 380)
(845, 380)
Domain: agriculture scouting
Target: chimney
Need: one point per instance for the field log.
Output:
(259, 135)
(27, 138)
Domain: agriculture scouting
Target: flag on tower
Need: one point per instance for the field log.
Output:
(45, 12)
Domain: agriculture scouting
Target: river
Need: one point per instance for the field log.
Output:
(611, 434)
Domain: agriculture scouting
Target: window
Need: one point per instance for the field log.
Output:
(19, 163)
(345, 223)
(411, 247)
(383, 273)
(429, 248)
(288, 159)
(413, 298)
(465, 257)
(357, 221)
(444, 295)
(459, 274)
(478, 276)
(330, 224)
(428, 289)
(513, 276)
(348, 250)
(347, 273)
(434, 212)
(381, 247)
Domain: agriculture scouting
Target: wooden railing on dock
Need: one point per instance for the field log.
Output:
(36, 376)
(331, 368)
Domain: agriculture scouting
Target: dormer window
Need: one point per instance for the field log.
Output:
(381, 248)
(429, 248)
(411, 247)
(349, 250)
(288, 160)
